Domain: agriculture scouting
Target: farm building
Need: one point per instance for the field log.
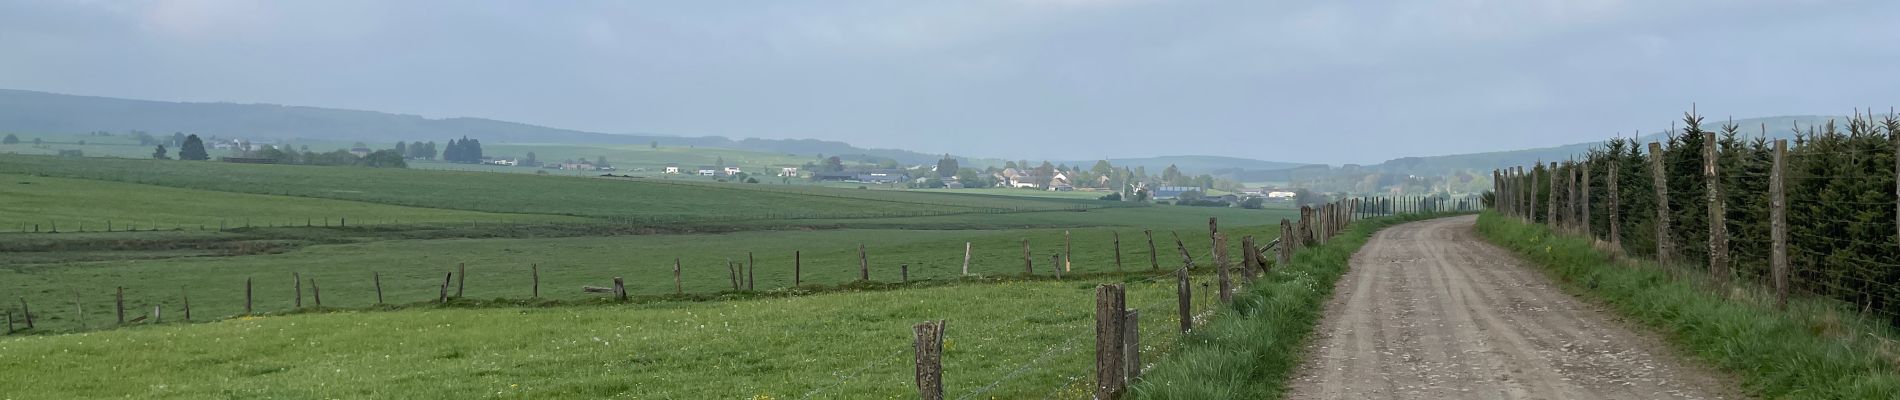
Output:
(1173, 192)
(672, 169)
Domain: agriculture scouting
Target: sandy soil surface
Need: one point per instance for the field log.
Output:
(1431, 311)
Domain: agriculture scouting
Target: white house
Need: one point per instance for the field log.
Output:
(708, 171)
(732, 170)
(672, 169)
(788, 171)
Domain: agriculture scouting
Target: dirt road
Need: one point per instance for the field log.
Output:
(1430, 311)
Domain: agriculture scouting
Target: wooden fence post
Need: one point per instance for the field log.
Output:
(966, 258)
(750, 267)
(534, 274)
(1778, 223)
(1550, 202)
(1068, 253)
(1131, 348)
(1221, 265)
(1056, 259)
(1248, 257)
(461, 277)
(1028, 266)
(864, 264)
(81, 308)
(1118, 250)
(927, 339)
(156, 317)
(1665, 246)
(298, 277)
(1583, 205)
(1286, 244)
(1110, 307)
(443, 296)
(1616, 209)
(677, 288)
(119, 301)
(185, 295)
(1183, 292)
(1718, 229)
(732, 275)
(1186, 259)
(798, 267)
(1528, 182)
(26, 311)
(247, 300)
(378, 278)
(316, 293)
(1154, 258)
(620, 289)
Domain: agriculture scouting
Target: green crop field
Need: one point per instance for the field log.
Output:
(89, 205)
(644, 199)
(1009, 340)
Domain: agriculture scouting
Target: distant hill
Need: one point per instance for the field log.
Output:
(1777, 127)
(1191, 164)
(41, 112)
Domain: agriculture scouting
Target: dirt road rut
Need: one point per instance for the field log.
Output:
(1430, 311)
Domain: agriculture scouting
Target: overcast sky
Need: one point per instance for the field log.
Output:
(1311, 81)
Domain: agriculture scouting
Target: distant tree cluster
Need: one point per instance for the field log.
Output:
(464, 150)
(417, 150)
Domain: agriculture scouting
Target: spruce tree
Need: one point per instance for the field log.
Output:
(193, 149)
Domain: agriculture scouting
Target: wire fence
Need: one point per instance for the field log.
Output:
(1815, 218)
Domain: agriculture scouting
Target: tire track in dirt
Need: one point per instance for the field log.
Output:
(1430, 311)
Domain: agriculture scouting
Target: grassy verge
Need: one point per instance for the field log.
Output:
(1814, 350)
(1250, 349)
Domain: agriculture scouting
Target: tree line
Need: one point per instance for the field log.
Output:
(1840, 190)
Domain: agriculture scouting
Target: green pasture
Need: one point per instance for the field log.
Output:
(72, 205)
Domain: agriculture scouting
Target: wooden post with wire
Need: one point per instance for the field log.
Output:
(1118, 251)
(864, 264)
(966, 258)
(1718, 229)
(298, 277)
(1184, 294)
(677, 288)
(1029, 267)
(1665, 246)
(1221, 265)
(1778, 222)
(1110, 310)
(1154, 258)
(927, 340)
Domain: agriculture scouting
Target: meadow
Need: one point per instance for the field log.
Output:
(1009, 340)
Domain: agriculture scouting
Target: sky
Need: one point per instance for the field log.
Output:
(1348, 81)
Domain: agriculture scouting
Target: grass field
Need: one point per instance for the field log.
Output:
(78, 204)
(644, 199)
(1011, 340)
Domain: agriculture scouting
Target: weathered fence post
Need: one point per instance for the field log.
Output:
(677, 288)
(864, 264)
(298, 277)
(534, 275)
(903, 273)
(28, 312)
(1286, 244)
(750, 266)
(966, 258)
(1110, 307)
(1183, 292)
(1247, 258)
(119, 301)
(1068, 253)
(1118, 250)
(927, 339)
(461, 278)
(185, 295)
(156, 317)
(1221, 265)
(1028, 266)
(1718, 229)
(1186, 259)
(443, 296)
(620, 289)
(1778, 223)
(1550, 202)
(1616, 208)
(377, 277)
(1583, 205)
(798, 267)
(1665, 246)
(1056, 259)
(247, 300)
(1131, 348)
(316, 293)
(81, 308)
(732, 275)
(1154, 258)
